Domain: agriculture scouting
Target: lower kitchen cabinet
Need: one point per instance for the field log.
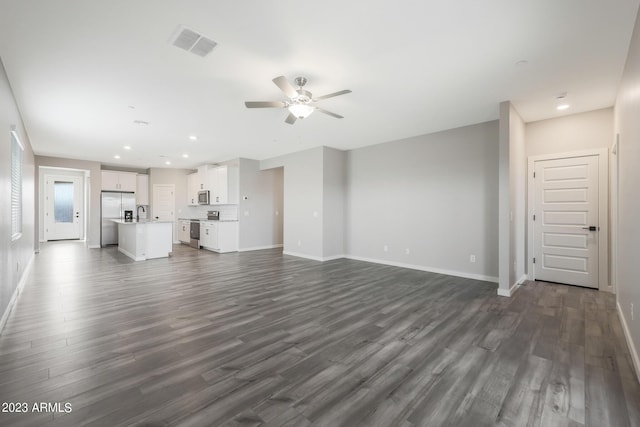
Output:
(184, 231)
(219, 236)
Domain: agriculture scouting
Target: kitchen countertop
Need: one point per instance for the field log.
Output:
(142, 221)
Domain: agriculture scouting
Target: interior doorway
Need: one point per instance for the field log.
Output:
(63, 205)
(568, 219)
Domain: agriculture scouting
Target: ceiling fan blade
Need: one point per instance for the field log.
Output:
(331, 95)
(291, 119)
(337, 116)
(285, 86)
(265, 104)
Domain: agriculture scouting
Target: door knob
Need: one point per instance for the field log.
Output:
(590, 228)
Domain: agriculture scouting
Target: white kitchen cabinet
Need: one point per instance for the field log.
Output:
(184, 231)
(203, 177)
(142, 189)
(193, 186)
(208, 236)
(223, 185)
(219, 236)
(119, 181)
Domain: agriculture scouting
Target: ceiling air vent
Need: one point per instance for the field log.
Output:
(192, 41)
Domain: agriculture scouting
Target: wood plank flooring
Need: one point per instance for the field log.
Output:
(262, 339)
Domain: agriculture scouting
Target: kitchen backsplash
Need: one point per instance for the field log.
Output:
(227, 212)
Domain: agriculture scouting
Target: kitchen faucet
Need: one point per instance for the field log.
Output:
(138, 212)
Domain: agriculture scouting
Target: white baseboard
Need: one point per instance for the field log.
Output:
(504, 292)
(425, 268)
(332, 257)
(259, 248)
(16, 294)
(630, 343)
(93, 246)
(482, 277)
(312, 257)
(130, 255)
(509, 292)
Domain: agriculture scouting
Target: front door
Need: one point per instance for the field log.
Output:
(566, 225)
(64, 212)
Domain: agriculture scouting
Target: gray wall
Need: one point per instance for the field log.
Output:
(303, 201)
(334, 175)
(583, 131)
(261, 214)
(436, 195)
(627, 114)
(16, 255)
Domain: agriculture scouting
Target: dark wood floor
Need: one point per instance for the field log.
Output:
(258, 338)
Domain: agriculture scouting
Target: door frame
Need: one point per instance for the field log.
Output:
(153, 205)
(47, 203)
(603, 210)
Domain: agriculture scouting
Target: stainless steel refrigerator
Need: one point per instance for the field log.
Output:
(113, 206)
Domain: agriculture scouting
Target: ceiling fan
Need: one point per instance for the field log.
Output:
(301, 102)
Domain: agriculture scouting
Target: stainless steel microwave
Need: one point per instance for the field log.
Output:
(203, 197)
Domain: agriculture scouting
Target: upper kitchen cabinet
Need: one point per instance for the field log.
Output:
(223, 185)
(203, 178)
(193, 186)
(142, 189)
(119, 181)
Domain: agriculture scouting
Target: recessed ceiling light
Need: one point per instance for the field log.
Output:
(132, 107)
(141, 122)
(167, 162)
(116, 156)
(522, 63)
(562, 107)
(193, 138)
(126, 147)
(185, 155)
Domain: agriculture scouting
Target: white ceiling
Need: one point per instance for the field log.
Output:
(414, 67)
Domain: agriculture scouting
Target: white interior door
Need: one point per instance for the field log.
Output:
(64, 207)
(566, 226)
(163, 202)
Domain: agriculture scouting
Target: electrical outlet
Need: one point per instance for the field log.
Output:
(277, 213)
(385, 248)
(631, 311)
(299, 242)
(246, 213)
(315, 214)
(472, 258)
(407, 251)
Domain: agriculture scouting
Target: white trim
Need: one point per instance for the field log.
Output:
(259, 248)
(603, 210)
(299, 255)
(333, 257)
(130, 255)
(425, 268)
(482, 277)
(16, 294)
(630, 343)
(504, 292)
(513, 288)
(93, 246)
(314, 258)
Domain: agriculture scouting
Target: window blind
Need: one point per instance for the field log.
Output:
(16, 186)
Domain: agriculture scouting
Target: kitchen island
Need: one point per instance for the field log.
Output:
(142, 240)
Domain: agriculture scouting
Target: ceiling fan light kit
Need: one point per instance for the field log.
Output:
(300, 102)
